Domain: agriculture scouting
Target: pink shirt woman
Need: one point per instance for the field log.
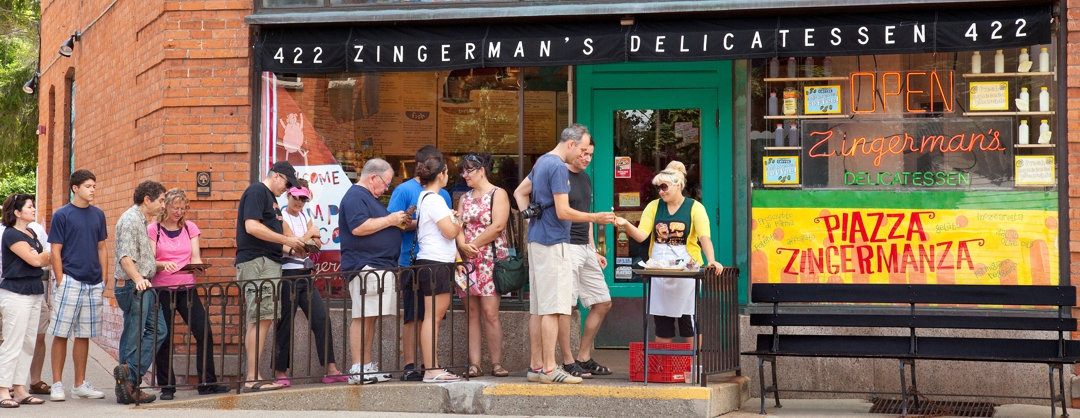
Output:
(177, 247)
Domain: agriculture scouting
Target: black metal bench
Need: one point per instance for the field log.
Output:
(907, 349)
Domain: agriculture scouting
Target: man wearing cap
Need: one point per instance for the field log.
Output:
(259, 247)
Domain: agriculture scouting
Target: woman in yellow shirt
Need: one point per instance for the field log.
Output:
(677, 229)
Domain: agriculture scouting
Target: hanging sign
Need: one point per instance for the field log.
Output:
(429, 48)
(821, 100)
(1034, 170)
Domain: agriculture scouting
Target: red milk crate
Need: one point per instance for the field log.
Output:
(662, 369)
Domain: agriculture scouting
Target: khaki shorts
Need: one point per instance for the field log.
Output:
(589, 283)
(551, 279)
(373, 293)
(259, 295)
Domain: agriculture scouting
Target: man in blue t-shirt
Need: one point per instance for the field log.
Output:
(404, 196)
(551, 277)
(371, 242)
(78, 248)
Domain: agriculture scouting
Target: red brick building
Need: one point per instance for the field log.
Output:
(165, 89)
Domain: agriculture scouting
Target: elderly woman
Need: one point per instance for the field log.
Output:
(20, 299)
(176, 240)
(484, 212)
(677, 228)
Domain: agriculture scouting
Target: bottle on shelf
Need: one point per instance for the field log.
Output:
(808, 69)
(791, 101)
(1023, 104)
(1044, 60)
(1044, 100)
(1044, 132)
(1024, 57)
(1022, 133)
(999, 62)
(774, 106)
(826, 67)
(778, 140)
(976, 63)
(792, 67)
(793, 135)
(774, 68)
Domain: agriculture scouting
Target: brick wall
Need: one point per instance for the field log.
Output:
(161, 92)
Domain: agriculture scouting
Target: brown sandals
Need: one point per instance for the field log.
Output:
(497, 370)
(475, 371)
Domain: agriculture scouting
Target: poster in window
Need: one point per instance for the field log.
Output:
(622, 167)
(821, 100)
(781, 171)
(989, 95)
(1034, 170)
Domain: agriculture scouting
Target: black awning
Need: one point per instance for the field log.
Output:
(430, 48)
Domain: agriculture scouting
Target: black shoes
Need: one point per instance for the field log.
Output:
(211, 389)
(411, 374)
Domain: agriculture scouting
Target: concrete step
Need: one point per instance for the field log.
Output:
(600, 397)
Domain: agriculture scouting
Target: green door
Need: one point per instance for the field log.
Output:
(639, 126)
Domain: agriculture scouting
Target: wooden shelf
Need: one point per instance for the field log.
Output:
(1033, 145)
(783, 148)
(1007, 113)
(782, 117)
(801, 79)
(992, 75)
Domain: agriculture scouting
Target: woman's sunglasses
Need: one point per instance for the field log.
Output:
(301, 198)
(663, 187)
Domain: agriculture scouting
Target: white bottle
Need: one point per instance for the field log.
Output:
(774, 104)
(1024, 57)
(1044, 132)
(1022, 133)
(976, 63)
(808, 69)
(1023, 102)
(999, 62)
(792, 67)
(778, 140)
(1044, 61)
(826, 67)
(793, 135)
(1044, 100)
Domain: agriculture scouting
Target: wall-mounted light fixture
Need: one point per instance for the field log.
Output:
(31, 86)
(69, 45)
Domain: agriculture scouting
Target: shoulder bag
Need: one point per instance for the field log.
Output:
(511, 273)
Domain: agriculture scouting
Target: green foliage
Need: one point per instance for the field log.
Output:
(18, 183)
(18, 110)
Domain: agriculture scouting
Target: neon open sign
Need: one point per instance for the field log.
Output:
(927, 91)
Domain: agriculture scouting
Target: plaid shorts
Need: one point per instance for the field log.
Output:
(77, 309)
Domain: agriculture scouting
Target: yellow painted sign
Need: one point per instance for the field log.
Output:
(897, 246)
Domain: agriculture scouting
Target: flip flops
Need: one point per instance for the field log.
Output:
(444, 377)
(31, 400)
(9, 403)
(261, 387)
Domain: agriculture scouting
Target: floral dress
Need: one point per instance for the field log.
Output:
(476, 215)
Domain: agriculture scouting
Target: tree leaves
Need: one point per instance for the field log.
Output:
(18, 64)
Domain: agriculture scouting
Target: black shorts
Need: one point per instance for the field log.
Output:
(665, 326)
(434, 279)
(412, 309)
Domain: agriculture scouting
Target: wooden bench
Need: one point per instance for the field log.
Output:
(1056, 302)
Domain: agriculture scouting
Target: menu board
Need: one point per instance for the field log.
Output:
(541, 110)
(406, 117)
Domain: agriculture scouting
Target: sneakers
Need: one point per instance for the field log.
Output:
(85, 390)
(122, 390)
(56, 392)
(373, 370)
(558, 376)
(411, 374)
(166, 395)
(534, 375)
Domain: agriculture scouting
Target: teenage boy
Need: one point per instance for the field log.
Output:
(144, 325)
(78, 248)
(550, 266)
(259, 247)
(405, 195)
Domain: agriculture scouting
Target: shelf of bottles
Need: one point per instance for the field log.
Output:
(1034, 136)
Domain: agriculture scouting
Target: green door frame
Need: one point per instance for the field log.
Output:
(602, 89)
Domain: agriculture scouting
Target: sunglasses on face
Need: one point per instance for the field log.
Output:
(663, 187)
(301, 198)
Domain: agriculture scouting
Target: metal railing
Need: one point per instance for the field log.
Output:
(220, 334)
(718, 302)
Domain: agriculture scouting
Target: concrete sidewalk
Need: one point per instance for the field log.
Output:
(857, 408)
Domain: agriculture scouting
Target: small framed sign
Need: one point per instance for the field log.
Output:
(821, 100)
(1034, 170)
(781, 170)
(989, 95)
(202, 184)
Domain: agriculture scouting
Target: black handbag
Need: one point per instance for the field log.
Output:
(511, 273)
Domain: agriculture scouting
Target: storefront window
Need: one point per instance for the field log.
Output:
(918, 168)
(329, 125)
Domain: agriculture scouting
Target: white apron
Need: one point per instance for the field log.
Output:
(671, 296)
